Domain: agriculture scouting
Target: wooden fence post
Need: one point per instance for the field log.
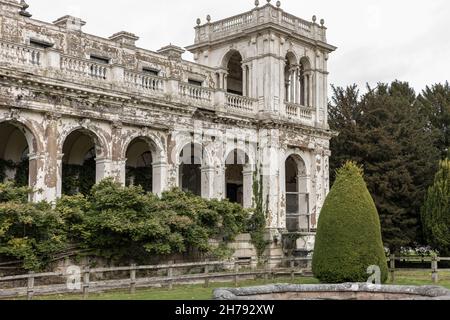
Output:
(392, 267)
(292, 270)
(170, 275)
(206, 274)
(266, 271)
(133, 279)
(434, 270)
(86, 282)
(236, 273)
(30, 286)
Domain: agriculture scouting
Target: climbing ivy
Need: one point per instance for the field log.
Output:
(140, 177)
(5, 165)
(78, 179)
(259, 218)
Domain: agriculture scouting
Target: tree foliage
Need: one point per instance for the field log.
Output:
(436, 211)
(348, 237)
(121, 223)
(435, 104)
(386, 131)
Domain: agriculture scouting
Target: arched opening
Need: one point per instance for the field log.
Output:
(139, 165)
(190, 169)
(291, 79)
(239, 178)
(14, 154)
(305, 82)
(297, 197)
(235, 78)
(79, 163)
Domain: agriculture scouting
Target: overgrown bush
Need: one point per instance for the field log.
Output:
(436, 211)
(30, 232)
(348, 237)
(121, 223)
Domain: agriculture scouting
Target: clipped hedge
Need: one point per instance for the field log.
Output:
(349, 234)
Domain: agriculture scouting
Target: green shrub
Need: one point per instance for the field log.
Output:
(29, 232)
(348, 237)
(436, 211)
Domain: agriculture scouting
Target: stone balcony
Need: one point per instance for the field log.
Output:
(259, 17)
(57, 66)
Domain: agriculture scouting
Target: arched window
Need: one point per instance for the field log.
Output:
(239, 178)
(291, 79)
(139, 165)
(14, 155)
(235, 78)
(305, 83)
(190, 170)
(79, 163)
(297, 198)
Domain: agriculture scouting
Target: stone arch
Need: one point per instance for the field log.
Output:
(84, 157)
(145, 162)
(232, 62)
(292, 78)
(20, 149)
(192, 164)
(239, 171)
(297, 197)
(154, 141)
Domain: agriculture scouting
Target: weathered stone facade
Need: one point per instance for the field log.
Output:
(255, 98)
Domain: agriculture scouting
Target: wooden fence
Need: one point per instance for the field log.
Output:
(433, 261)
(231, 271)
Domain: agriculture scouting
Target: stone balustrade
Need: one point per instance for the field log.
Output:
(19, 54)
(256, 17)
(195, 93)
(84, 68)
(240, 103)
(80, 70)
(298, 112)
(144, 82)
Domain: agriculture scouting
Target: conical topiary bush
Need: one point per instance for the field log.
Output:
(348, 237)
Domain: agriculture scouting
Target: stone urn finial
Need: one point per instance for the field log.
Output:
(322, 22)
(208, 18)
(314, 18)
(199, 21)
(256, 3)
(278, 4)
(268, 1)
(23, 12)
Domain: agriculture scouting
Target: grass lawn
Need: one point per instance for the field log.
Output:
(197, 292)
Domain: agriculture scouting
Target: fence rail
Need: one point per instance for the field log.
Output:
(231, 270)
(434, 264)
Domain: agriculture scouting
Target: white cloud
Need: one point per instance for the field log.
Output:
(378, 40)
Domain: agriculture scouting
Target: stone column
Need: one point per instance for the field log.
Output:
(37, 166)
(122, 171)
(244, 80)
(297, 85)
(250, 81)
(207, 182)
(219, 190)
(248, 173)
(159, 177)
(102, 169)
(51, 163)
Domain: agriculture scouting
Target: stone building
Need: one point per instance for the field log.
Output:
(255, 98)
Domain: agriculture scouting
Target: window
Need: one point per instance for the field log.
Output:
(150, 71)
(99, 59)
(195, 82)
(40, 44)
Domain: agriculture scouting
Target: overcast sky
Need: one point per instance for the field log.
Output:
(377, 40)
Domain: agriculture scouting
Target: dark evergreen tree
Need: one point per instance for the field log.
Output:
(387, 133)
(436, 106)
(436, 211)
